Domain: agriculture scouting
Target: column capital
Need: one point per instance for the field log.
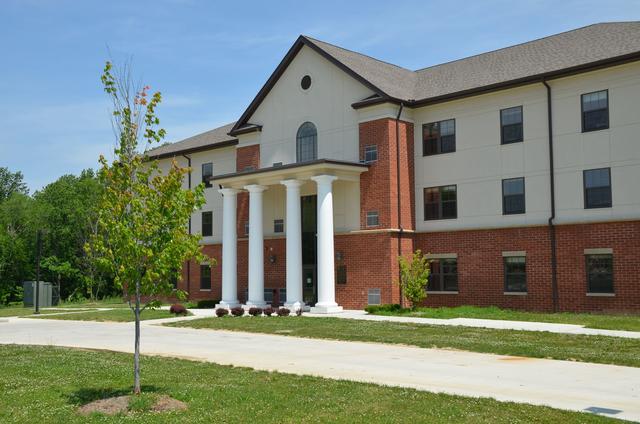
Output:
(255, 188)
(292, 183)
(228, 191)
(324, 179)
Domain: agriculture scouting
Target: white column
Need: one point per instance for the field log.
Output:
(229, 250)
(256, 247)
(326, 275)
(294, 245)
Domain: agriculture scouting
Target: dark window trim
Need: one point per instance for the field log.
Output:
(424, 203)
(206, 179)
(202, 215)
(582, 111)
(586, 271)
(584, 189)
(521, 124)
(439, 142)
(524, 197)
(505, 259)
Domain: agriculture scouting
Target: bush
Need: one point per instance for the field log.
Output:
(254, 312)
(237, 311)
(221, 312)
(283, 312)
(414, 276)
(299, 312)
(178, 309)
(207, 304)
(373, 309)
(268, 311)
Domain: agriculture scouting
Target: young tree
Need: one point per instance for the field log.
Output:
(11, 182)
(414, 276)
(143, 214)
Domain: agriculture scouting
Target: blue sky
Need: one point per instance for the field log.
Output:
(210, 58)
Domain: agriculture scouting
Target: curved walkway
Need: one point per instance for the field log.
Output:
(607, 389)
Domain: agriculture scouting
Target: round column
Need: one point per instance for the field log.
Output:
(326, 274)
(229, 250)
(294, 245)
(256, 247)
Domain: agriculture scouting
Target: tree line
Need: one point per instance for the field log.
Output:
(65, 213)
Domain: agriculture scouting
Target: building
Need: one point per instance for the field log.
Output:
(516, 170)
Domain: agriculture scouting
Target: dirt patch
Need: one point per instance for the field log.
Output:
(120, 405)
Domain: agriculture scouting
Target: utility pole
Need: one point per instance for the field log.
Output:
(38, 252)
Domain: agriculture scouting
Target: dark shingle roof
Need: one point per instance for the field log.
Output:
(217, 137)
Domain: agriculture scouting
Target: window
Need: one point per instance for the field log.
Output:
(440, 202)
(370, 153)
(341, 274)
(600, 273)
(373, 297)
(277, 164)
(511, 125)
(595, 111)
(439, 137)
(205, 277)
(515, 274)
(207, 171)
(268, 295)
(444, 275)
(372, 219)
(597, 188)
(207, 224)
(248, 168)
(246, 228)
(305, 82)
(513, 196)
(278, 226)
(306, 143)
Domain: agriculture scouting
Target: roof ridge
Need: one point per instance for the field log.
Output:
(314, 40)
(523, 43)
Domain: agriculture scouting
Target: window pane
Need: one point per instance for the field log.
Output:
(513, 186)
(594, 101)
(511, 133)
(448, 143)
(600, 273)
(447, 127)
(278, 226)
(513, 200)
(595, 111)
(341, 274)
(596, 177)
(512, 115)
(597, 191)
(207, 171)
(207, 224)
(306, 142)
(372, 219)
(205, 277)
(435, 277)
(515, 274)
(370, 153)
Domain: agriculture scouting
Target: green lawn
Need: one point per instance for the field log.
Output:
(599, 349)
(608, 322)
(47, 384)
(118, 315)
(19, 311)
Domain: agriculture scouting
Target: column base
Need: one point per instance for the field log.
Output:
(228, 304)
(250, 304)
(293, 306)
(326, 309)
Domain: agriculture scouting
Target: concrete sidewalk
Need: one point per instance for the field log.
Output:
(561, 384)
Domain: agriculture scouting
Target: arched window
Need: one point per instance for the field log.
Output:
(306, 143)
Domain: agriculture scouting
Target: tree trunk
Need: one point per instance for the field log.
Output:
(136, 355)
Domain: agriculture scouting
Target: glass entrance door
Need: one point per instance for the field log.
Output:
(309, 246)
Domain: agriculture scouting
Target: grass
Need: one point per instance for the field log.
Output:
(598, 349)
(116, 315)
(47, 384)
(601, 321)
(20, 311)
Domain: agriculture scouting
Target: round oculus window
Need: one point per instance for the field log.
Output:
(305, 82)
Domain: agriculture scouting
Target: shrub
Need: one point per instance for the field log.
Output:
(374, 309)
(237, 311)
(220, 312)
(254, 312)
(299, 312)
(283, 312)
(268, 311)
(414, 276)
(178, 309)
(207, 304)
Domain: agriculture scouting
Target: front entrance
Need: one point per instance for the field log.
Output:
(309, 250)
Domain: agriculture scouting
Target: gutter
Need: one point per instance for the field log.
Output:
(552, 192)
(401, 229)
(188, 158)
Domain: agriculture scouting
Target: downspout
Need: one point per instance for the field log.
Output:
(188, 158)
(552, 191)
(400, 229)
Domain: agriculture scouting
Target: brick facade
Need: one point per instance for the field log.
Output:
(370, 255)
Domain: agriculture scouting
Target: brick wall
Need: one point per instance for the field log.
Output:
(247, 156)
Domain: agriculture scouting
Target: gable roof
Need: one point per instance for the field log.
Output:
(557, 55)
(207, 140)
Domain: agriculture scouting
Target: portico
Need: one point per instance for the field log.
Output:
(319, 173)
